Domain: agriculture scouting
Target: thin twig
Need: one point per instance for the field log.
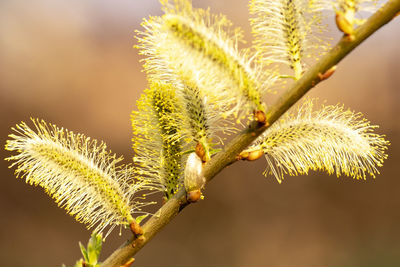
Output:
(229, 154)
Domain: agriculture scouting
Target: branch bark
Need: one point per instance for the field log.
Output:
(228, 155)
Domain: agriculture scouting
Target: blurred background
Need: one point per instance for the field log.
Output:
(72, 64)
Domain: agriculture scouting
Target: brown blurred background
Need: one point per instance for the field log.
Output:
(72, 64)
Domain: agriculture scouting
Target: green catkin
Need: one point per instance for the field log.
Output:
(331, 139)
(171, 148)
(196, 109)
(78, 172)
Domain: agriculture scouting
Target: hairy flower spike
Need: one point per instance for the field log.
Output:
(286, 32)
(195, 47)
(78, 172)
(158, 138)
(331, 139)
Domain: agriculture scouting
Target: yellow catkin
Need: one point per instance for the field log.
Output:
(158, 138)
(332, 139)
(77, 171)
(198, 48)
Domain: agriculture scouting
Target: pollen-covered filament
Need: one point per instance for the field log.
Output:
(204, 44)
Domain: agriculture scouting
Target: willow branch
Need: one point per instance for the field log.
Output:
(229, 154)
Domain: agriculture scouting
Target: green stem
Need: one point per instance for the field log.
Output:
(228, 155)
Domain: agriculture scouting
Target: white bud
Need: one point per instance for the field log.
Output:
(194, 179)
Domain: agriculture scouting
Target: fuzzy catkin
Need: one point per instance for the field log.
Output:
(332, 139)
(198, 48)
(287, 32)
(158, 139)
(77, 171)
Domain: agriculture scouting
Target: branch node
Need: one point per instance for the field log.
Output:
(350, 37)
(327, 73)
(250, 155)
(141, 239)
(136, 229)
(254, 155)
(128, 263)
(243, 155)
(260, 117)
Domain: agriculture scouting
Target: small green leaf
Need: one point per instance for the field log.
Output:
(215, 150)
(139, 219)
(79, 263)
(84, 252)
(94, 248)
(92, 252)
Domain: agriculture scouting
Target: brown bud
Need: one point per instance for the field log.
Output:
(200, 152)
(84, 264)
(327, 73)
(243, 155)
(254, 155)
(350, 37)
(193, 196)
(260, 116)
(343, 24)
(136, 229)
